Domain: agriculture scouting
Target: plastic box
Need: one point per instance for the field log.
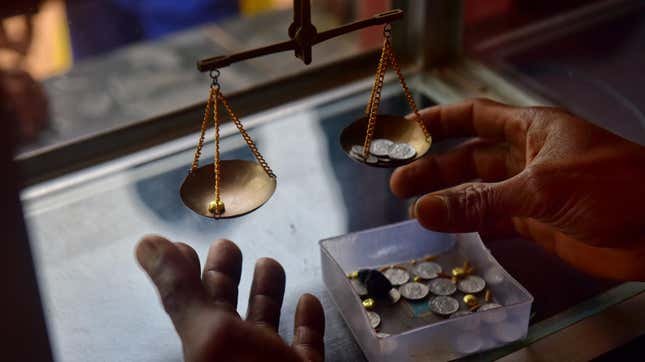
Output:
(447, 338)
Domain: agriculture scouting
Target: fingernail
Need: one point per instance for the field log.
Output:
(148, 251)
(412, 209)
(432, 210)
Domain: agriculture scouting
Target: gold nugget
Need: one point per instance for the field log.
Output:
(458, 272)
(353, 275)
(470, 300)
(368, 303)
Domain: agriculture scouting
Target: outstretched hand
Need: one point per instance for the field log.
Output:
(572, 187)
(202, 306)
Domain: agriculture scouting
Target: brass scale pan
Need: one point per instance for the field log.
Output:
(245, 186)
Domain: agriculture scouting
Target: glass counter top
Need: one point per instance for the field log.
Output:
(84, 227)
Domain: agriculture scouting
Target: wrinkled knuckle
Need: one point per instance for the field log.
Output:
(474, 200)
(173, 293)
(537, 189)
(172, 284)
(537, 179)
(521, 123)
(544, 115)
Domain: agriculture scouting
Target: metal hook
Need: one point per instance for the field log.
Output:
(387, 30)
(214, 74)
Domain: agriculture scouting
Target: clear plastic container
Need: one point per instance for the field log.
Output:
(446, 338)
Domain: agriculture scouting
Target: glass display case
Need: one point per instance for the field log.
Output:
(107, 168)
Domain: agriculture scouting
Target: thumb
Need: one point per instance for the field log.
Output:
(472, 206)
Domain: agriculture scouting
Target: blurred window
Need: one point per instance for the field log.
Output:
(79, 67)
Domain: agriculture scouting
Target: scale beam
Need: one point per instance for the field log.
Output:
(303, 37)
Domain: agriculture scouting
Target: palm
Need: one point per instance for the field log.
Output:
(546, 174)
(203, 309)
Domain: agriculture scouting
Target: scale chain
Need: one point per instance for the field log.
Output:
(217, 166)
(388, 57)
(212, 108)
(246, 136)
(200, 142)
(374, 86)
(408, 95)
(375, 100)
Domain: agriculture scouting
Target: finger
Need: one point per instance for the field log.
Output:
(222, 272)
(309, 329)
(474, 159)
(477, 117)
(473, 206)
(267, 292)
(412, 209)
(179, 288)
(191, 256)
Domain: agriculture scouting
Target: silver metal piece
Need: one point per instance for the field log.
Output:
(371, 159)
(382, 335)
(397, 276)
(374, 318)
(357, 150)
(402, 152)
(428, 270)
(380, 147)
(488, 306)
(359, 288)
(395, 295)
(471, 284)
(461, 313)
(444, 305)
(358, 155)
(442, 286)
(414, 291)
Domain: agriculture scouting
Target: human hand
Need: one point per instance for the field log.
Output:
(26, 102)
(203, 309)
(574, 188)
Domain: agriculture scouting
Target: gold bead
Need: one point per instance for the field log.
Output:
(216, 207)
(353, 275)
(416, 278)
(458, 272)
(470, 300)
(368, 303)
